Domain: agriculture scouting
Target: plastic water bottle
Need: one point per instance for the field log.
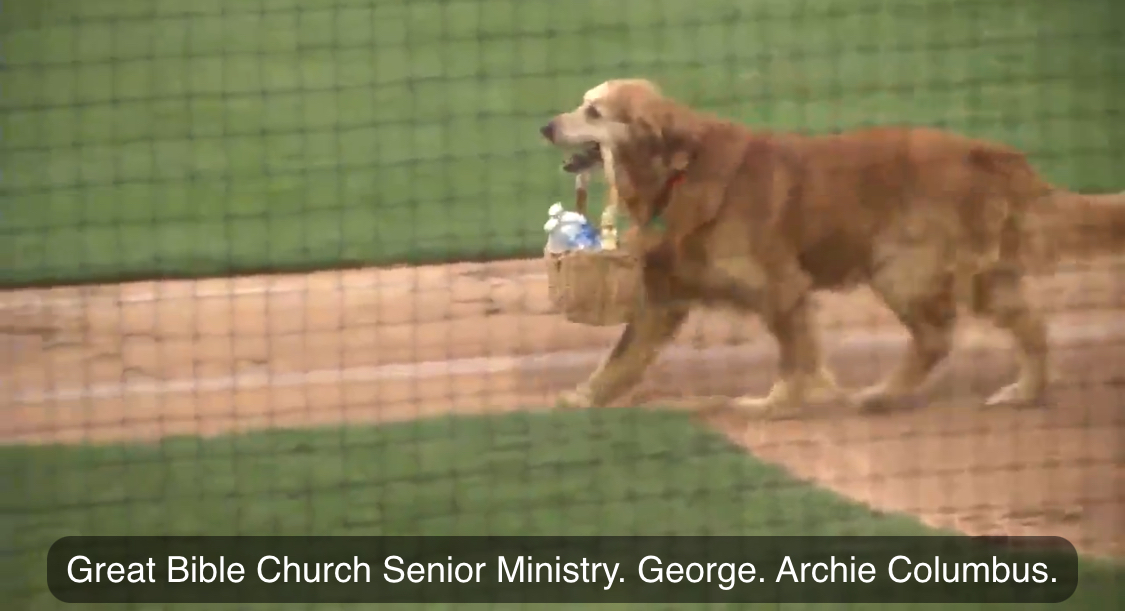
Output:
(588, 237)
(580, 234)
(570, 231)
(557, 241)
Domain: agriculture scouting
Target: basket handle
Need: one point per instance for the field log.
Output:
(609, 220)
(581, 191)
(609, 212)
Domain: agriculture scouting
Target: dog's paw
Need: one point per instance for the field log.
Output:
(873, 398)
(788, 398)
(876, 398)
(880, 399)
(579, 398)
(778, 404)
(822, 388)
(1018, 394)
(768, 407)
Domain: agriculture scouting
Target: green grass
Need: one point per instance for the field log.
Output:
(582, 473)
(162, 137)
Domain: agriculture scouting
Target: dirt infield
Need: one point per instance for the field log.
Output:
(146, 360)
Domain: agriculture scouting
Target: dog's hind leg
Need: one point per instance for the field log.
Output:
(998, 294)
(652, 327)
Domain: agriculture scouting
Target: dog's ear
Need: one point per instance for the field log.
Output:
(668, 133)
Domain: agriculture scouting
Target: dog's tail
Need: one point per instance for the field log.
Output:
(1079, 226)
(1048, 224)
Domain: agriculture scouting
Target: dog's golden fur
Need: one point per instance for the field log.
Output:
(930, 220)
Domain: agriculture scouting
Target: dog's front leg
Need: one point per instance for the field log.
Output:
(654, 324)
(652, 327)
(803, 378)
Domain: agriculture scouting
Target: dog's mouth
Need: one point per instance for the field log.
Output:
(589, 157)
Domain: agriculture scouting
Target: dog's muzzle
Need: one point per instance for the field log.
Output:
(588, 158)
(548, 131)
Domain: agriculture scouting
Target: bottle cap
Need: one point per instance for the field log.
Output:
(556, 209)
(572, 217)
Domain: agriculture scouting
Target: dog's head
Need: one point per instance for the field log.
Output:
(630, 117)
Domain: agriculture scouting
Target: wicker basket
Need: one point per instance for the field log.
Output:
(597, 288)
(593, 288)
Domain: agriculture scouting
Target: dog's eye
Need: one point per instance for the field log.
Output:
(592, 112)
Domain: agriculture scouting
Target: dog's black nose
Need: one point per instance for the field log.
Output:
(548, 131)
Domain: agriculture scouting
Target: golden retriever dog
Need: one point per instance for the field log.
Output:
(930, 220)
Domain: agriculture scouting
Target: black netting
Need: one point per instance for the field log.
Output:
(272, 267)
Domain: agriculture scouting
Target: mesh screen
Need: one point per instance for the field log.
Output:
(273, 267)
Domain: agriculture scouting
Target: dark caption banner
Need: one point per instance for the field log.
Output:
(561, 569)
